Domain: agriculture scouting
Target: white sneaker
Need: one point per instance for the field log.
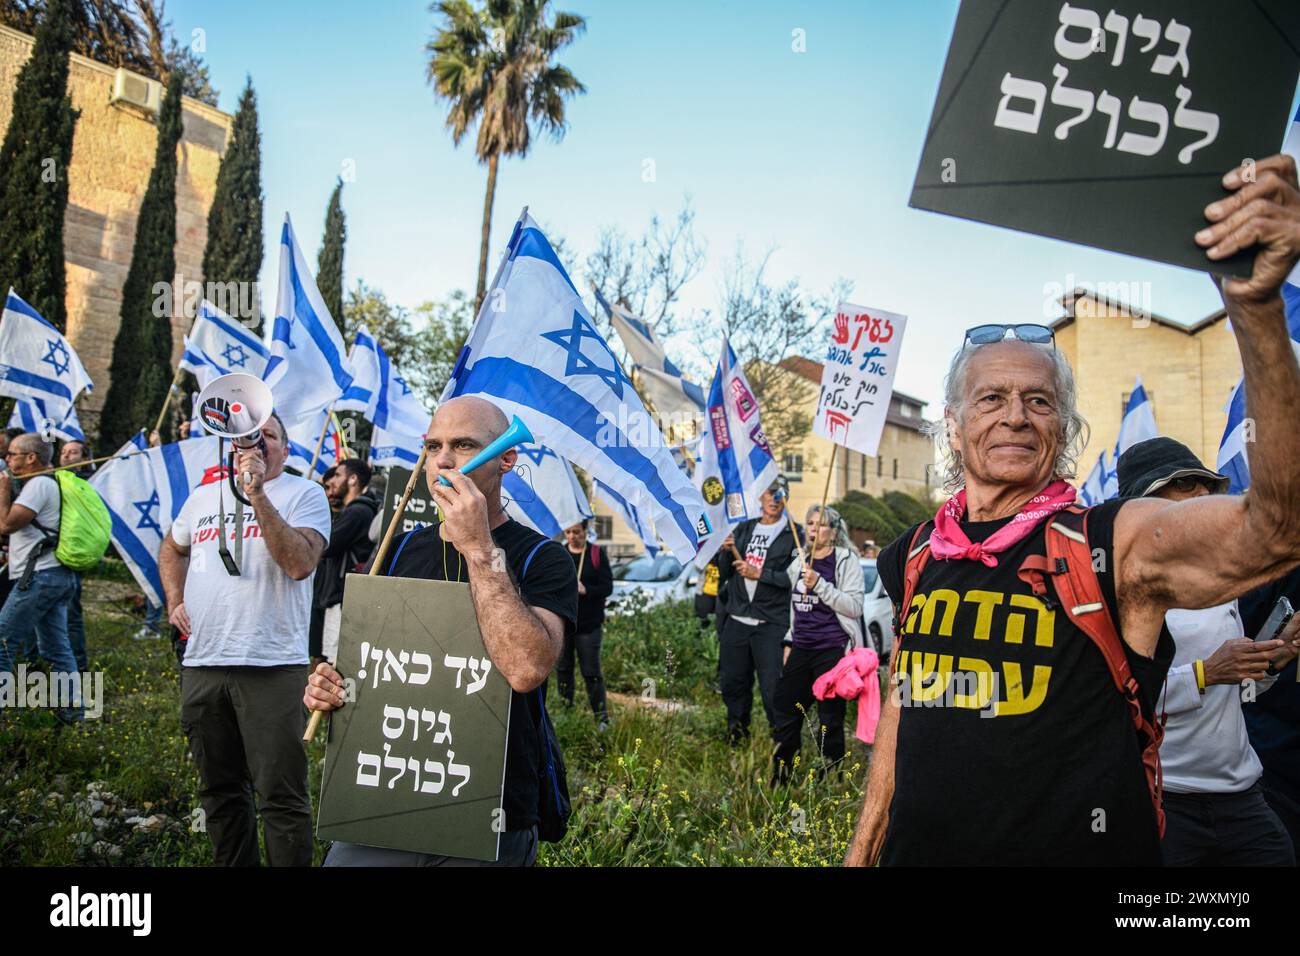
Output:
(146, 634)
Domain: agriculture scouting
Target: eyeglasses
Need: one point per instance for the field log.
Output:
(10, 454)
(1189, 483)
(1025, 332)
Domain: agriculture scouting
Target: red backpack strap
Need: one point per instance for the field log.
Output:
(1069, 564)
(918, 555)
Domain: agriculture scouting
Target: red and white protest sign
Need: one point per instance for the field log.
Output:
(858, 377)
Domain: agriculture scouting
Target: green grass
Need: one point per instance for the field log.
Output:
(659, 787)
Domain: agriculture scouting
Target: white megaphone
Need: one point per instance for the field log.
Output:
(235, 406)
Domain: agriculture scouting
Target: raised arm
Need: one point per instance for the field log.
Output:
(296, 550)
(523, 642)
(1204, 551)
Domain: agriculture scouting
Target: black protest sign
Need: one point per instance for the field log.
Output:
(416, 759)
(420, 509)
(1108, 124)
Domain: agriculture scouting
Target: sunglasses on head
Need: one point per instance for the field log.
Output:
(1024, 332)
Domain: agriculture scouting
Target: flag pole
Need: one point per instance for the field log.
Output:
(380, 553)
(320, 442)
(83, 464)
(171, 390)
(830, 471)
(338, 430)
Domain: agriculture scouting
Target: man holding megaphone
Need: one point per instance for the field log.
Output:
(241, 682)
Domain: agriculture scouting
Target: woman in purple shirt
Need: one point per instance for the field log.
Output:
(825, 622)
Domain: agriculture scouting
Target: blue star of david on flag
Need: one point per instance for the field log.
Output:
(147, 520)
(579, 364)
(536, 453)
(406, 389)
(57, 356)
(235, 355)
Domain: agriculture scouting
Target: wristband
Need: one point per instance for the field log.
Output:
(1199, 668)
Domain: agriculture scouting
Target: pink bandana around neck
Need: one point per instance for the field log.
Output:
(949, 541)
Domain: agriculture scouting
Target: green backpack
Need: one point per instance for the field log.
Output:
(85, 527)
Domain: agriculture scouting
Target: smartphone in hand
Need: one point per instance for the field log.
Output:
(1278, 619)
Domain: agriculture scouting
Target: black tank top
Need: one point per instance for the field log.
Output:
(1014, 747)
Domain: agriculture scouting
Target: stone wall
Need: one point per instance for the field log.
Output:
(112, 155)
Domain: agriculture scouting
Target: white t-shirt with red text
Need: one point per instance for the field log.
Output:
(261, 617)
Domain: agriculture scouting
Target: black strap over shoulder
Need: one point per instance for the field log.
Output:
(44, 546)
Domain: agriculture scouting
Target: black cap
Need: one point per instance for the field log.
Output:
(1150, 465)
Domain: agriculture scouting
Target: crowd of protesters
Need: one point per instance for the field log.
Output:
(1113, 685)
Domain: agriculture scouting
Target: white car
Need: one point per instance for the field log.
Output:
(877, 612)
(658, 579)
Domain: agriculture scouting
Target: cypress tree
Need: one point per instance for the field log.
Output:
(141, 371)
(234, 249)
(329, 266)
(34, 162)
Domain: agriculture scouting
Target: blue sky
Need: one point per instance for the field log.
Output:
(811, 154)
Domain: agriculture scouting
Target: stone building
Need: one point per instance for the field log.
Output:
(112, 155)
(1188, 371)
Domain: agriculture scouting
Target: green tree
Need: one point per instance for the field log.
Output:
(234, 250)
(329, 265)
(907, 509)
(423, 343)
(766, 323)
(493, 67)
(140, 371)
(865, 512)
(34, 160)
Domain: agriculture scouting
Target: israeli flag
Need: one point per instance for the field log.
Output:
(534, 352)
(144, 494)
(308, 369)
(218, 345)
(542, 492)
(29, 415)
(633, 516)
(303, 435)
(1139, 422)
(664, 383)
(1239, 430)
(387, 401)
(1093, 490)
(37, 363)
(736, 465)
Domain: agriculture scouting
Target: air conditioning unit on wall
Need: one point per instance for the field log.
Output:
(136, 91)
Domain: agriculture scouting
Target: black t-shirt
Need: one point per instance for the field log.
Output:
(550, 584)
(1014, 746)
(598, 579)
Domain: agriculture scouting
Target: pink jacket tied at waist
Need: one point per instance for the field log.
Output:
(854, 678)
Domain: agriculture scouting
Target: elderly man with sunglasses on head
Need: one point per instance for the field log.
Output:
(1026, 731)
(1215, 810)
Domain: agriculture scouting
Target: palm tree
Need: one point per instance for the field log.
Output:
(493, 66)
